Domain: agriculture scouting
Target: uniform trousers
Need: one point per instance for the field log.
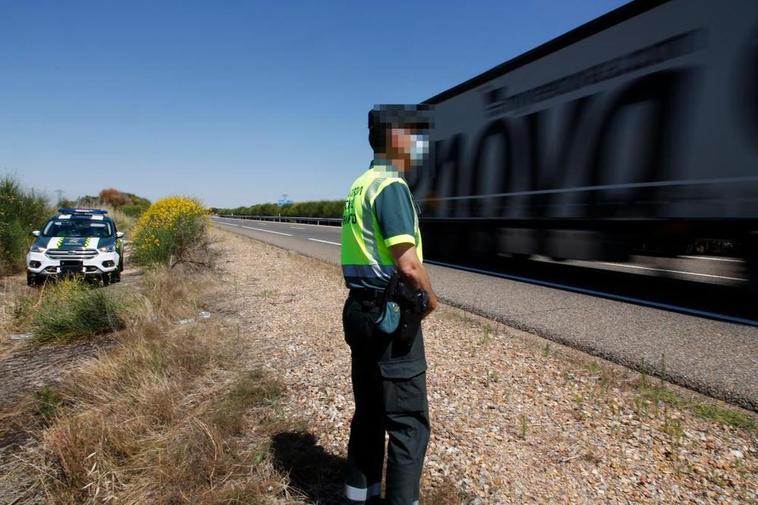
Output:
(389, 387)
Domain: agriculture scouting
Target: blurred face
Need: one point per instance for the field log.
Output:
(409, 145)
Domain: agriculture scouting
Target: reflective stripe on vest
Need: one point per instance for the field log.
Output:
(366, 260)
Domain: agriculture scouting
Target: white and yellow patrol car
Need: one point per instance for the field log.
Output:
(76, 242)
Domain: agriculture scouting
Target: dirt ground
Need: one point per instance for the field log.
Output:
(515, 418)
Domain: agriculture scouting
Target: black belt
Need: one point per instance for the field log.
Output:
(367, 295)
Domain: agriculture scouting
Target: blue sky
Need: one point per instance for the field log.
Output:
(234, 102)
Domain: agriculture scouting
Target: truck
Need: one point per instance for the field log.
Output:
(636, 133)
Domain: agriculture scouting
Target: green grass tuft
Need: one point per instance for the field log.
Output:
(71, 309)
(659, 393)
(732, 418)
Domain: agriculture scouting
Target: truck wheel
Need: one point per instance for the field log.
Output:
(31, 280)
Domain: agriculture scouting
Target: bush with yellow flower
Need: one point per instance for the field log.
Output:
(169, 230)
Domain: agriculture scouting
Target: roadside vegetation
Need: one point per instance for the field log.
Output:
(160, 419)
(172, 231)
(655, 393)
(21, 211)
(320, 208)
(71, 309)
(125, 208)
(128, 203)
(166, 414)
(24, 210)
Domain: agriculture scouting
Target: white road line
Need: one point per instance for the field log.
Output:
(229, 224)
(713, 258)
(268, 231)
(639, 301)
(638, 267)
(324, 241)
(327, 226)
(297, 227)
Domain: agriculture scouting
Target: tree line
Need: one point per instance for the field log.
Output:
(319, 208)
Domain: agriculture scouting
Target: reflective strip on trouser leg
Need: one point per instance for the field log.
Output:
(362, 494)
(356, 493)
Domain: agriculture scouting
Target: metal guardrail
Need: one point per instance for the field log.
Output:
(322, 221)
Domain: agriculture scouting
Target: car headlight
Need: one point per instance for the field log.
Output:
(107, 248)
(36, 249)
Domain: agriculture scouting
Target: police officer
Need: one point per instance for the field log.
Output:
(381, 243)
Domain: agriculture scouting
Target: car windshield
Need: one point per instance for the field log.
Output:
(77, 228)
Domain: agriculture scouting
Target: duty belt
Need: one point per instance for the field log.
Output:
(367, 295)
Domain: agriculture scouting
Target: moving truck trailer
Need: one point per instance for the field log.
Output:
(634, 133)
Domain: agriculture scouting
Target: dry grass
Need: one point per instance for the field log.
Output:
(167, 417)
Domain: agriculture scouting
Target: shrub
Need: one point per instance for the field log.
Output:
(20, 212)
(72, 309)
(114, 198)
(131, 205)
(136, 206)
(170, 232)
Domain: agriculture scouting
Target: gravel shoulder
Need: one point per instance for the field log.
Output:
(515, 418)
(716, 358)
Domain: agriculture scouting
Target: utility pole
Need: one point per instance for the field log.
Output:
(59, 192)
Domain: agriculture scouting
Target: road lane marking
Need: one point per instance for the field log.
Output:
(297, 227)
(267, 231)
(324, 241)
(639, 267)
(713, 258)
(602, 294)
(326, 226)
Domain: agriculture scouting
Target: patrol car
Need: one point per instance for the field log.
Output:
(76, 242)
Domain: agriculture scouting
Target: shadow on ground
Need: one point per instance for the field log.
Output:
(313, 471)
(320, 475)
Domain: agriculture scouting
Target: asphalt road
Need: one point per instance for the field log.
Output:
(658, 320)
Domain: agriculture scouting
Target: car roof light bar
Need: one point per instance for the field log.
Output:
(67, 210)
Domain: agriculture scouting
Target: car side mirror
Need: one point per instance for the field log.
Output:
(35, 233)
(119, 234)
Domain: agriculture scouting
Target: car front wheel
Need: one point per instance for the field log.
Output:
(116, 275)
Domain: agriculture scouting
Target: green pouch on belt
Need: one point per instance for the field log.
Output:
(389, 319)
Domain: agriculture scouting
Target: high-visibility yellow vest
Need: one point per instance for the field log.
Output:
(366, 259)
